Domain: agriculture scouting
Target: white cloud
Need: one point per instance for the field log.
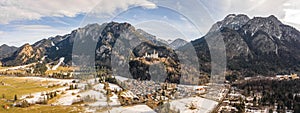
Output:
(32, 27)
(292, 16)
(18, 34)
(249, 7)
(292, 13)
(108, 9)
(30, 34)
(1, 32)
(35, 9)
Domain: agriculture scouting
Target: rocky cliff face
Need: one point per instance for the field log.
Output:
(231, 21)
(23, 55)
(146, 55)
(258, 46)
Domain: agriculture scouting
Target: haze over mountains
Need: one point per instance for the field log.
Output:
(257, 46)
(6, 50)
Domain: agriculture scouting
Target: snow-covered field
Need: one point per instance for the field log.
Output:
(114, 86)
(37, 96)
(98, 94)
(132, 109)
(68, 98)
(216, 92)
(122, 79)
(203, 105)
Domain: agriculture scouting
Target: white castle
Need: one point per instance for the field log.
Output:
(154, 55)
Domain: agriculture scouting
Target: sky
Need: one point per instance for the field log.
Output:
(27, 21)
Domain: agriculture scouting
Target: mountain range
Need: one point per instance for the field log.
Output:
(258, 46)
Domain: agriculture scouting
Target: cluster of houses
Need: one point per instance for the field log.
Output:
(249, 104)
(287, 77)
(153, 94)
(234, 99)
(277, 77)
(152, 98)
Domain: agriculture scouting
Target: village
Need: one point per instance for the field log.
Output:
(115, 93)
(248, 100)
(106, 92)
(109, 93)
(153, 94)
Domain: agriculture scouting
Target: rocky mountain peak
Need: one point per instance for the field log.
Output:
(261, 46)
(23, 55)
(26, 49)
(6, 50)
(91, 25)
(274, 19)
(236, 17)
(43, 43)
(4, 45)
(178, 43)
(269, 25)
(115, 26)
(231, 21)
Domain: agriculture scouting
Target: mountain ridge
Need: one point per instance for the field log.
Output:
(178, 43)
(256, 46)
(259, 46)
(6, 50)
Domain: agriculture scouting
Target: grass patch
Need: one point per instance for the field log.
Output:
(11, 86)
(43, 109)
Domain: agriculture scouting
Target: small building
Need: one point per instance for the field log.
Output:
(294, 76)
(200, 90)
(250, 99)
(154, 55)
(128, 98)
(6, 107)
(287, 77)
(256, 110)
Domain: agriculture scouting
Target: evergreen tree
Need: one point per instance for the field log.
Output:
(76, 86)
(16, 98)
(71, 86)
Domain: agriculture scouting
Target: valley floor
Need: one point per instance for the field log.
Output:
(71, 95)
